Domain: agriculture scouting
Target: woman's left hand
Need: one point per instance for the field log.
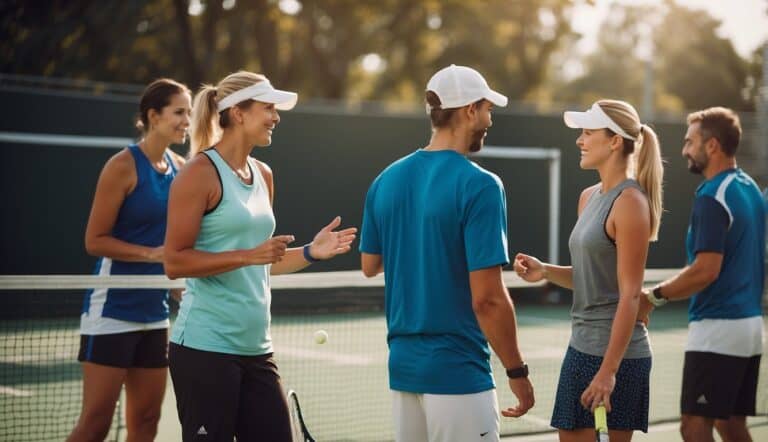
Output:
(599, 391)
(328, 243)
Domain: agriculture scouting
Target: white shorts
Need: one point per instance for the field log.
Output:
(446, 417)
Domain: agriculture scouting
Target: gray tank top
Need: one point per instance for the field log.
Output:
(595, 284)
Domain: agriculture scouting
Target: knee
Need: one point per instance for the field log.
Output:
(92, 426)
(146, 422)
(694, 432)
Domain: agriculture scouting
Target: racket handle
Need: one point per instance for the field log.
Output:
(601, 423)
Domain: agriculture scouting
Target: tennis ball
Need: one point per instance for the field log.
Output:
(321, 336)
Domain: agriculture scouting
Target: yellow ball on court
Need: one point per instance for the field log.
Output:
(321, 336)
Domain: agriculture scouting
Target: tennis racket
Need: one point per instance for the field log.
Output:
(601, 424)
(299, 432)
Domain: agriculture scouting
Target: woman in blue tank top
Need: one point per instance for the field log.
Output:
(124, 332)
(608, 360)
(220, 237)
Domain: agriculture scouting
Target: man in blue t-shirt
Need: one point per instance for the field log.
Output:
(724, 281)
(437, 223)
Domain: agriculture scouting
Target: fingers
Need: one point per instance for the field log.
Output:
(332, 225)
(286, 239)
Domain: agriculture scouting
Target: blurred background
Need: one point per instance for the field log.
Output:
(71, 73)
(77, 68)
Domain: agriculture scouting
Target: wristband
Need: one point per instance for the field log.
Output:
(655, 297)
(308, 256)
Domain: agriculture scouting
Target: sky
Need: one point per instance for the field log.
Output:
(745, 22)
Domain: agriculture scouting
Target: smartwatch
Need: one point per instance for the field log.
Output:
(519, 372)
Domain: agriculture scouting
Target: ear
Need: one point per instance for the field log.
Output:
(712, 145)
(152, 116)
(236, 115)
(617, 143)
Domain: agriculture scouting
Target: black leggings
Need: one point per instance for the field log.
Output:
(220, 396)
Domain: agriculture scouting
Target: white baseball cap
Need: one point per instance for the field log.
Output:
(458, 86)
(261, 91)
(594, 118)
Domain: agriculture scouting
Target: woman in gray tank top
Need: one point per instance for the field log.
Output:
(608, 359)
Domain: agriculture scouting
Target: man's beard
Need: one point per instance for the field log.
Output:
(477, 141)
(697, 165)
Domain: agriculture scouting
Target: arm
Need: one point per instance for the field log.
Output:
(710, 223)
(195, 190)
(694, 278)
(532, 270)
(630, 218)
(326, 244)
(495, 314)
(116, 182)
(372, 264)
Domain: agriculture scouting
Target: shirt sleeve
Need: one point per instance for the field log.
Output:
(485, 228)
(370, 241)
(710, 225)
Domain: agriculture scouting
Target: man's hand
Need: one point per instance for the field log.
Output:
(523, 390)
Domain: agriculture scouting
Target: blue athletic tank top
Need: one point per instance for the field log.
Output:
(141, 220)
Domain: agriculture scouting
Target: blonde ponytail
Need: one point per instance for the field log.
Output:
(644, 165)
(204, 128)
(207, 123)
(650, 175)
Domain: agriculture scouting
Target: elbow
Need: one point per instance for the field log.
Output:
(483, 305)
(171, 267)
(370, 272)
(91, 246)
(708, 276)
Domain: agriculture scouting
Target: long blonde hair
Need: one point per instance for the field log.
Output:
(646, 164)
(207, 123)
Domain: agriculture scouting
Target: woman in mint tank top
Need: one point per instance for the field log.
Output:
(124, 332)
(608, 359)
(221, 238)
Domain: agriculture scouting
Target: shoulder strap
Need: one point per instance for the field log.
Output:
(267, 181)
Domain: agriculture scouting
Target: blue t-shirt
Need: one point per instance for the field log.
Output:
(435, 216)
(729, 218)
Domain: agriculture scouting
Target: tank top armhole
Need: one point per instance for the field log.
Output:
(608, 214)
(137, 157)
(221, 183)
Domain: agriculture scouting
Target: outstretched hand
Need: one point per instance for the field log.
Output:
(329, 243)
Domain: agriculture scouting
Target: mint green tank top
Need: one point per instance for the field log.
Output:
(229, 312)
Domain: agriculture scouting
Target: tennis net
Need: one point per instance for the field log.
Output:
(342, 383)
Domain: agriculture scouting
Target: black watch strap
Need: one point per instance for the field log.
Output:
(519, 372)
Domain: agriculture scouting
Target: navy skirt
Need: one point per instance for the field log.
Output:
(629, 400)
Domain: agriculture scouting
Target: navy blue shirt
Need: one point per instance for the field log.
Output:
(728, 217)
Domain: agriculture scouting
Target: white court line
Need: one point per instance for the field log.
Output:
(9, 391)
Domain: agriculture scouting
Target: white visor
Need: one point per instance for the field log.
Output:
(594, 118)
(261, 91)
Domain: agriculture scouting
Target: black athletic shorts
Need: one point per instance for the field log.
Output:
(136, 349)
(220, 396)
(719, 386)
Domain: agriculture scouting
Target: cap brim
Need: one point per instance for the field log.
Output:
(282, 100)
(583, 120)
(496, 98)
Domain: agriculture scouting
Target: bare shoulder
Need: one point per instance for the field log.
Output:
(585, 194)
(632, 200)
(198, 173)
(120, 171)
